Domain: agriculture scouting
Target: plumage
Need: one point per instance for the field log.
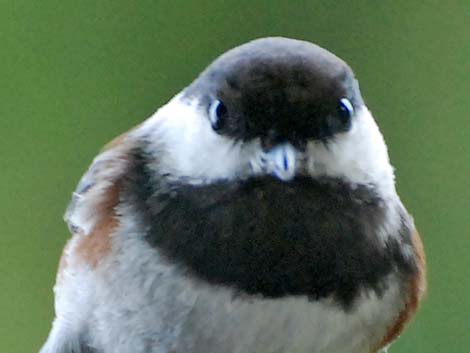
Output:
(187, 237)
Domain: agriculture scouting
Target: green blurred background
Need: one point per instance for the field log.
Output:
(73, 74)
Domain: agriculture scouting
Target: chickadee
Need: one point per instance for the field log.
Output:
(256, 212)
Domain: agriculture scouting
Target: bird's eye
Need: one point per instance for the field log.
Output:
(345, 110)
(217, 114)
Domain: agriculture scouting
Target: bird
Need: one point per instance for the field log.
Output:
(255, 212)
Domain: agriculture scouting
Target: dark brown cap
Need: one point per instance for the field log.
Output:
(280, 87)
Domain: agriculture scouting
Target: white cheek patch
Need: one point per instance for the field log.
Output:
(359, 156)
(193, 150)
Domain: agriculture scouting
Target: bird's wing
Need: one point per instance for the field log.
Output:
(416, 291)
(91, 217)
(90, 200)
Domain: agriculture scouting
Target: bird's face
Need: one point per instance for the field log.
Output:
(275, 108)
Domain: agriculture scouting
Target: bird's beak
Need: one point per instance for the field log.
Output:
(281, 161)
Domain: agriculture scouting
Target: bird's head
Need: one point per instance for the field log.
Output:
(273, 107)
